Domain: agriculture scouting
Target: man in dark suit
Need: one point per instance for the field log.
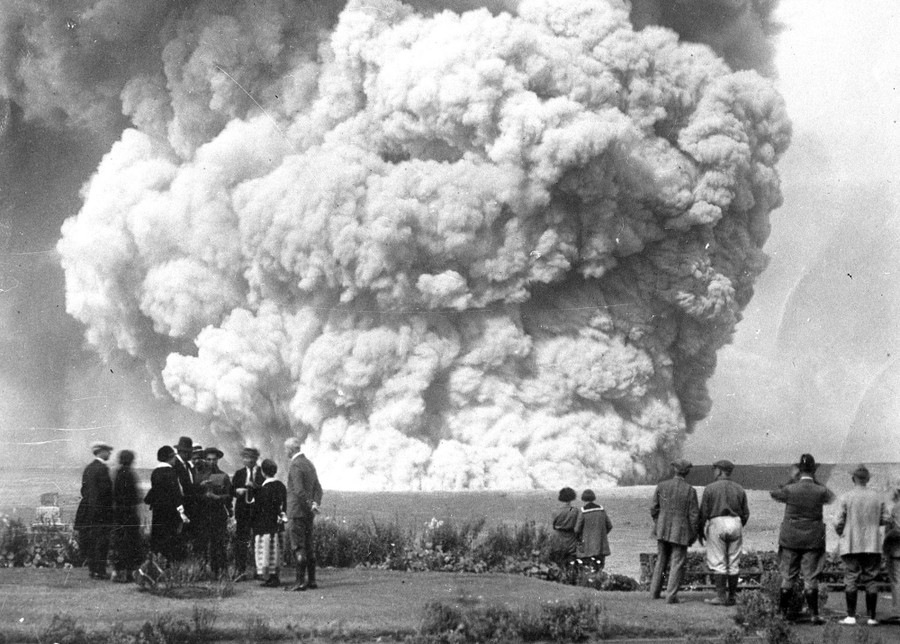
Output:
(192, 532)
(676, 519)
(216, 510)
(94, 517)
(245, 482)
(166, 502)
(801, 541)
(304, 494)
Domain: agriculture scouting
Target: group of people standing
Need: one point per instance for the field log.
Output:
(719, 517)
(192, 502)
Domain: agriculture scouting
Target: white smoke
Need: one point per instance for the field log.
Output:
(456, 250)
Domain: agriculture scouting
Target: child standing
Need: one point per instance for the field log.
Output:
(591, 529)
(267, 524)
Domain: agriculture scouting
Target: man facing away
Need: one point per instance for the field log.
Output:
(94, 517)
(862, 512)
(304, 494)
(723, 515)
(676, 516)
(801, 540)
(245, 482)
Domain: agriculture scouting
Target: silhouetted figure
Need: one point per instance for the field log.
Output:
(94, 517)
(125, 544)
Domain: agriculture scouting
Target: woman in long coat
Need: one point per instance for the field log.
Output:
(166, 501)
(563, 542)
(127, 553)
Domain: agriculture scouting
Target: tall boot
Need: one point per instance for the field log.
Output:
(812, 601)
(721, 598)
(784, 602)
(300, 583)
(732, 590)
(871, 606)
(311, 574)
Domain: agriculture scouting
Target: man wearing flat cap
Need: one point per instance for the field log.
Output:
(862, 513)
(801, 540)
(676, 516)
(245, 482)
(723, 515)
(94, 517)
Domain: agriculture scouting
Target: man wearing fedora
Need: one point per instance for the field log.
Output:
(801, 540)
(187, 478)
(723, 515)
(304, 494)
(216, 510)
(862, 513)
(245, 482)
(676, 516)
(94, 517)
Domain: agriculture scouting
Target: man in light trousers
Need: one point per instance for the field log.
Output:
(723, 515)
(676, 516)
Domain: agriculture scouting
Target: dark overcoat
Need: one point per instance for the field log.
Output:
(802, 527)
(592, 529)
(96, 507)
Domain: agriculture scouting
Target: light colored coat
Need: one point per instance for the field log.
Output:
(862, 513)
(675, 512)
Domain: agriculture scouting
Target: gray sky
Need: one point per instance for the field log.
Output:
(813, 365)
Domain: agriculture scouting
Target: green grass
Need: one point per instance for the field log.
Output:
(358, 603)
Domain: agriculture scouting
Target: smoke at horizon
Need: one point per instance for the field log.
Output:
(460, 250)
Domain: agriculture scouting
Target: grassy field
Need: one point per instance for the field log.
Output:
(355, 604)
(628, 508)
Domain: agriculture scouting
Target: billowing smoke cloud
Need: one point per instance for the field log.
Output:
(455, 249)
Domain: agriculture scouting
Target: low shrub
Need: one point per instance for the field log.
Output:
(64, 629)
(556, 621)
(188, 579)
(257, 629)
(166, 629)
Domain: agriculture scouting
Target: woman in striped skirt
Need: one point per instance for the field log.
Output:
(268, 522)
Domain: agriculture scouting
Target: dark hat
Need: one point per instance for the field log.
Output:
(725, 466)
(861, 472)
(96, 446)
(198, 448)
(184, 443)
(588, 496)
(164, 453)
(682, 466)
(566, 494)
(807, 464)
(213, 450)
(250, 452)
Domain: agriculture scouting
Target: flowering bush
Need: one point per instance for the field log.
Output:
(41, 547)
(441, 545)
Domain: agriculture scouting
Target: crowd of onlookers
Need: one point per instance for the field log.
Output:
(192, 502)
(868, 529)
